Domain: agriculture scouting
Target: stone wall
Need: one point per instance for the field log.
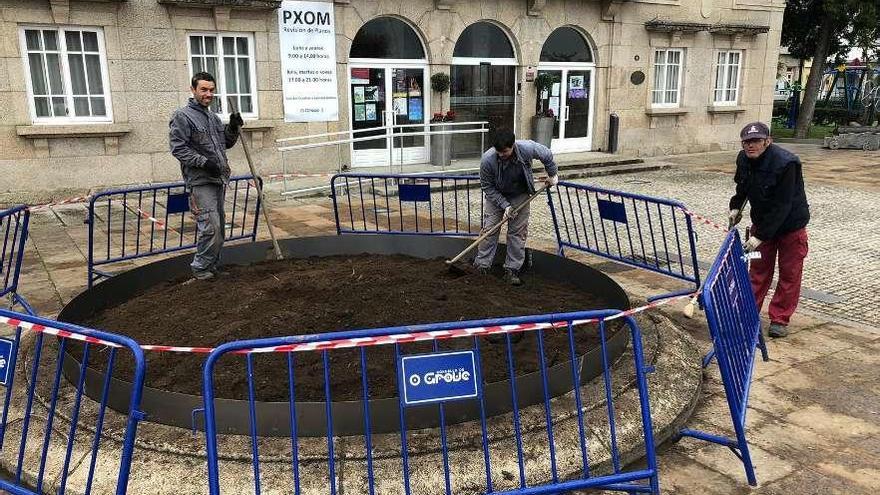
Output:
(148, 71)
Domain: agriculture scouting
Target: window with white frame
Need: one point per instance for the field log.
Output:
(667, 77)
(230, 59)
(727, 77)
(67, 74)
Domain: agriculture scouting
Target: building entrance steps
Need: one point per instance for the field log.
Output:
(571, 166)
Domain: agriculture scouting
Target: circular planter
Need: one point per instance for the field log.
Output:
(176, 409)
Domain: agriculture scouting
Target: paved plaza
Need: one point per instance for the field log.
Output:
(814, 420)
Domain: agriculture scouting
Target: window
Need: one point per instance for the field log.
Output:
(566, 45)
(387, 37)
(230, 59)
(68, 74)
(667, 77)
(727, 77)
(483, 40)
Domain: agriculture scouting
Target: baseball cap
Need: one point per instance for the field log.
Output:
(754, 130)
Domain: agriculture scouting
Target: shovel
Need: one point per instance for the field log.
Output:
(264, 209)
(458, 270)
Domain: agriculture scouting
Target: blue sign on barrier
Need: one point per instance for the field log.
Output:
(178, 203)
(5, 356)
(612, 210)
(438, 377)
(415, 192)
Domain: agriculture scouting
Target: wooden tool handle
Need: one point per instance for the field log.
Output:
(494, 227)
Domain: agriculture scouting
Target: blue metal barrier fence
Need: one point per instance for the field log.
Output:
(14, 229)
(407, 204)
(550, 447)
(641, 231)
(735, 326)
(132, 223)
(38, 401)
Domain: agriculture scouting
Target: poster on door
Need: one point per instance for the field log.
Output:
(307, 35)
(576, 89)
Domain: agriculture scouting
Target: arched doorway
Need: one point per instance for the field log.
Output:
(387, 67)
(567, 55)
(483, 83)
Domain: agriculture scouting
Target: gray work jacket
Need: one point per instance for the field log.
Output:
(524, 151)
(196, 134)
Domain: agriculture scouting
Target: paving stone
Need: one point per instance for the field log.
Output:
(814, 482)
(678, 474)
(833, 425)
(768, 467)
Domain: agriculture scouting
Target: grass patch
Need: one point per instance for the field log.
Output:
(815, 132)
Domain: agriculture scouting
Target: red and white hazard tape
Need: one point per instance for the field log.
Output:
(296, 176)
(68, 201)
(352, 342)
(35, 327)
(702, 219)
(159, 223)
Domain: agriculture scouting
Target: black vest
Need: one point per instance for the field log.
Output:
(762, 178)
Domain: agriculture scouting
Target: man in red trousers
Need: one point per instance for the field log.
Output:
(771, 179)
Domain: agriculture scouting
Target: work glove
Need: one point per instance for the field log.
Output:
(212, 167)
(509, 214)
(552, 180)
(733, 218)
(235, 122)
(752, 244)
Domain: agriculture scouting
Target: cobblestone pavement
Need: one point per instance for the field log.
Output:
(842, 271)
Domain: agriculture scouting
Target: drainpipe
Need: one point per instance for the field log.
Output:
(608, 73)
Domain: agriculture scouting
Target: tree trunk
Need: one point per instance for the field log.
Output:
(811, 92)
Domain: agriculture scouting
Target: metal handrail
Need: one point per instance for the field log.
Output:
(389, 134)
(377, 137)
(384, 127)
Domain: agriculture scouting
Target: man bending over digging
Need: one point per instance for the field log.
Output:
(507, 182)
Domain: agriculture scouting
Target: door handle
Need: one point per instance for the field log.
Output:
(566, 112)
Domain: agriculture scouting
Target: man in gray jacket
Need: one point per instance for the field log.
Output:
(507, 181)
(198, 139)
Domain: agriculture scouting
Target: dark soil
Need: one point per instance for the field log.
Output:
(326, 294)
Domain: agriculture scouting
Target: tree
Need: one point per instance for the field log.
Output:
(819, 29)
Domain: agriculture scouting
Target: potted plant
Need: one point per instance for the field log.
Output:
(544, 120)
(441, 144)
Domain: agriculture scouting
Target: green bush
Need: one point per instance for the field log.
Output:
(828, 115)
(780, 108)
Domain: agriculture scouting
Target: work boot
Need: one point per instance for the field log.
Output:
(777, 330)
(204, 275)
(483, 270)
(512, 277)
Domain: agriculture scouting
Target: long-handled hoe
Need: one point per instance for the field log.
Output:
(451, 264)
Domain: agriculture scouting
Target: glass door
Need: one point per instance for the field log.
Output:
(368, 111)
(570, 99)
(576, 115)
(407, 105)
(551, 100)
(382, 97)
(481, 93)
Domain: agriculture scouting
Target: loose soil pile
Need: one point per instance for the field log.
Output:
(326, 294)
